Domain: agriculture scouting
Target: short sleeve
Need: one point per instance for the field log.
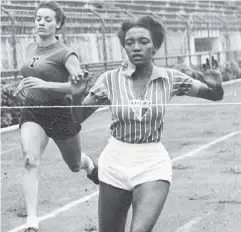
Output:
(29, 49)
(65, 53)
(184, 85)
(98, 94)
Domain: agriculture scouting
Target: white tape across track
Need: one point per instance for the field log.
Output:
(15, 127)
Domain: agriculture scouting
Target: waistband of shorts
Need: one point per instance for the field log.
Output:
(62, 102)
(119, 143)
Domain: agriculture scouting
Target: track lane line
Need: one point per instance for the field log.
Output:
(188, 226)
(84, 131)
(72, 204)
(205, 146)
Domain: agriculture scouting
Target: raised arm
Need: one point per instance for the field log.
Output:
(213, 81)
(209, 87)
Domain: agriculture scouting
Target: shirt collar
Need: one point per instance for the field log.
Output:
(128, 69)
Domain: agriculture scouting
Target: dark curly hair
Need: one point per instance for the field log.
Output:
(156, 29)
(60, 16)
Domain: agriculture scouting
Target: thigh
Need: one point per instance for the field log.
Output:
(114, 204)
(33, 140)
(148, 201)
(70, 149)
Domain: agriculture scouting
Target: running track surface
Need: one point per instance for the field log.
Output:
(204, 142)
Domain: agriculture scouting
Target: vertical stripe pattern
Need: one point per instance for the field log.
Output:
(139, 119)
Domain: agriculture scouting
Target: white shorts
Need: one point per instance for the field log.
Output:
(125, 165)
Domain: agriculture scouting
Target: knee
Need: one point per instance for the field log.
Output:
(142, 228)
(31, 161)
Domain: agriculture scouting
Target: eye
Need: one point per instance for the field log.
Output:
(48, 20)
(129, 42)
(38, 19)
(144, 41)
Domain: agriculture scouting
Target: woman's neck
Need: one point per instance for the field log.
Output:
(143, 71)
(45, 42)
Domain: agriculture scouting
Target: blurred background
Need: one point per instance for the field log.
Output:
(194, 30)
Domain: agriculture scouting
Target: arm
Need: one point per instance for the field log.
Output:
(36, 83)
(73, 66)
(81, 113)
(98, 95)
(209, 87)
(59, 87)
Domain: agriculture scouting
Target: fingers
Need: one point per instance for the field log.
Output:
(77, 77)
(208, 63)
(213, 72)
(22, 95)
(18, 89)
(26, 83)
(213, 64)
(33, 82)
(87, 77)
(80, 77)
(20, 92)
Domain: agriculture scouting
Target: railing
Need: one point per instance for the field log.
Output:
(197, 60)
(101, 23)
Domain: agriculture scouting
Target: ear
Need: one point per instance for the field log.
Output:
(154, 49)
(58, 25)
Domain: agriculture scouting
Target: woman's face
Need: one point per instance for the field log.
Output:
(45, 22)
(139, 46)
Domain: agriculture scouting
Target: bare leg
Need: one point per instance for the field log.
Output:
(114, 204)
(33, 141)
(148, 201)
(70, 149)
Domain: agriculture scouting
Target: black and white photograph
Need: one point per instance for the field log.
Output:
(120, 115)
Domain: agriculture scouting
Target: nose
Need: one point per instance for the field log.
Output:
(136, 46)
(41, 22)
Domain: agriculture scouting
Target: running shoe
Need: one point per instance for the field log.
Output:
(31, 229)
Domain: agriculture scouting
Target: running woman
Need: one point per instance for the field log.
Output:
(49, 64)
(135, 168)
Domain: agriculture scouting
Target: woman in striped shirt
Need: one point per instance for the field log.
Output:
(135, 168)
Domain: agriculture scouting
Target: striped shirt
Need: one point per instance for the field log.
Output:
(139, 119)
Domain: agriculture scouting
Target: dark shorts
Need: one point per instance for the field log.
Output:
(58, 123)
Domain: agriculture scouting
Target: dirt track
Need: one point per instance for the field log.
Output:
(206, 190)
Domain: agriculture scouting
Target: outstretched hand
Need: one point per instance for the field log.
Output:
(210, 75)
(212, 78)
(79, 82)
